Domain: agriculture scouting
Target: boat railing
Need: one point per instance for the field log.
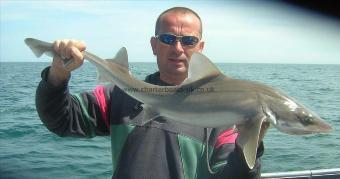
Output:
(333, 173)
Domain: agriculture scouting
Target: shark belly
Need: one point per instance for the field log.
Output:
(205, 118)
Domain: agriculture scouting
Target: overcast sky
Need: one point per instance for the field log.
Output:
(234, 31)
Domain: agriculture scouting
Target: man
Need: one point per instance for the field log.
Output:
(162, 148)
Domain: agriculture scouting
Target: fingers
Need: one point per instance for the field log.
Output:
(70, 49)
(66, 48)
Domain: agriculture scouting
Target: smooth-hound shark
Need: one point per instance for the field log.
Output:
(208, 98)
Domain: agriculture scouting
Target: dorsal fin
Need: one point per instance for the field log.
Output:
(200, 67)
(121, 58)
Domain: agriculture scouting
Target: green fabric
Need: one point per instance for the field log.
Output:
(193, 158)
(89, 127)
(217, 166)
(119, 134)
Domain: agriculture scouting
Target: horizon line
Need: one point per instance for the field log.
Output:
(274, 63)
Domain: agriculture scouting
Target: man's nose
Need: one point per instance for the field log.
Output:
(178, 47)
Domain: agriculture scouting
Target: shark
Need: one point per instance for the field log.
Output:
(207, 98)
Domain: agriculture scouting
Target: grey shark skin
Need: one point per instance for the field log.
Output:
(208, 98)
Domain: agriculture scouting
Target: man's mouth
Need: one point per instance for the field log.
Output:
(176, 60)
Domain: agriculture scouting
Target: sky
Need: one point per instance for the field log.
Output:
(233, 31)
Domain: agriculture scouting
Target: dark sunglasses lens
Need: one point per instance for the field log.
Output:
(167, 38)
(189, 40)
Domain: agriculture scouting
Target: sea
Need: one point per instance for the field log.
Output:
(29, 150)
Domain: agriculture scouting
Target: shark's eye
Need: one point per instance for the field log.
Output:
(306, 120)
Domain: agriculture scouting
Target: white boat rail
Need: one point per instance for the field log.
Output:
(333, 173)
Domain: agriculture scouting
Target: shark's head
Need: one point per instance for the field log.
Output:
(294, 118)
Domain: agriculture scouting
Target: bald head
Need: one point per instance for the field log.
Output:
(179, 10)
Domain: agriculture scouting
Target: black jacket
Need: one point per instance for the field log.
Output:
(162, 148)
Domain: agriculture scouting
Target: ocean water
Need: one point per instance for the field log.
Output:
(29, 150)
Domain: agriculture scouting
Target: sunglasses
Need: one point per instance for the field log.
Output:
(185, 40)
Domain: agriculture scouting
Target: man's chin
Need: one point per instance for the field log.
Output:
(179, 70)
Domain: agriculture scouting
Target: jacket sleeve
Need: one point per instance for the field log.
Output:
(65, 114)
(227, 160)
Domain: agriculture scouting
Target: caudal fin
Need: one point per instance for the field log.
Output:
(39, 47)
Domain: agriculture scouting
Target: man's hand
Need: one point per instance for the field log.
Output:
(65, 49)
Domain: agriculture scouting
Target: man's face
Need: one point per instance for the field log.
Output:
(173, 59)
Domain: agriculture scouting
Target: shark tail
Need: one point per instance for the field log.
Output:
(39, 47)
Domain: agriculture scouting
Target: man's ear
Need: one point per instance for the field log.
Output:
(153, 42)
(201, 46)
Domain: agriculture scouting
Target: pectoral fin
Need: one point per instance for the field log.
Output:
(248, 140)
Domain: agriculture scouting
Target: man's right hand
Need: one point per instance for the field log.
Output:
(65, 49)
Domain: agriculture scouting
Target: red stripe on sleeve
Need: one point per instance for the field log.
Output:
(99, 93)
(227, 137)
